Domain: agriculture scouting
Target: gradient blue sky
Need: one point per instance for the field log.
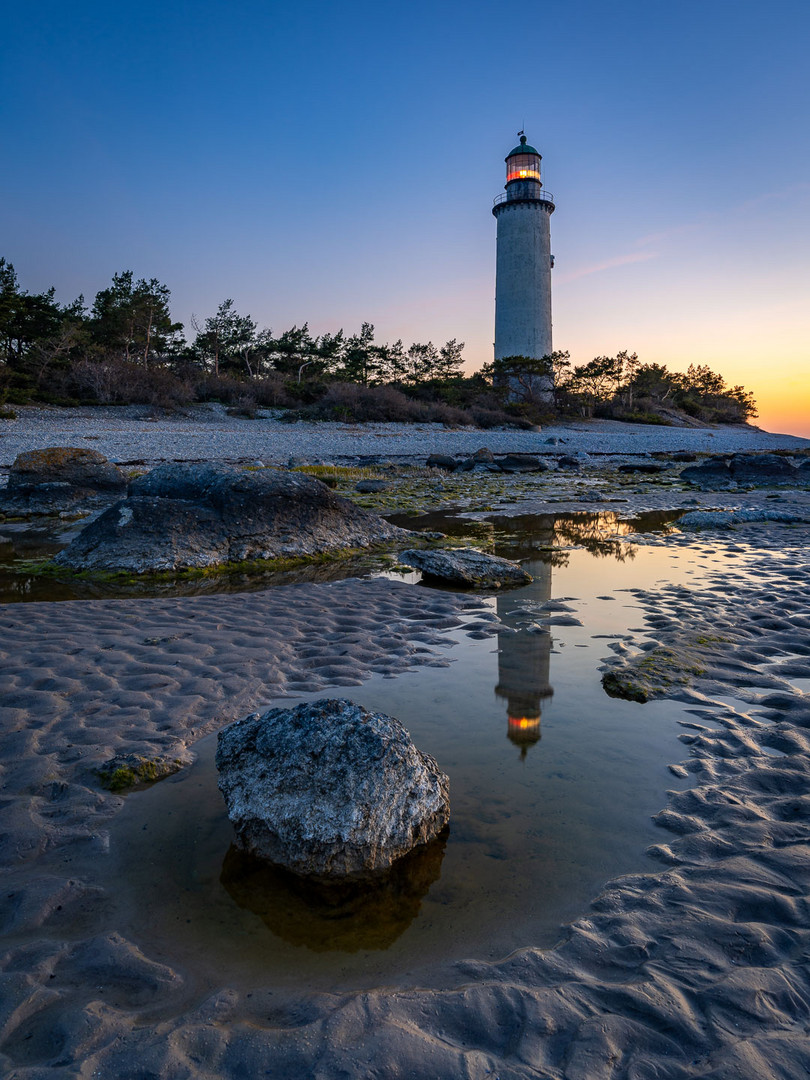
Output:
(337, 163)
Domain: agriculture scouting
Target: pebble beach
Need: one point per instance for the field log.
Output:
(207, 433)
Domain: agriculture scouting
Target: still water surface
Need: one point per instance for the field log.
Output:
(553, 785)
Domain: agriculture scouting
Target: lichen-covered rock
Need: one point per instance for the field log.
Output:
(59, 478)
(329, 789)
(468, 567)
(180, 517)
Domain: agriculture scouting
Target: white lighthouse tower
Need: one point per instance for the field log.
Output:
(524, 261)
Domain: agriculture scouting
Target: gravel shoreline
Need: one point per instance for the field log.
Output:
(127, 434)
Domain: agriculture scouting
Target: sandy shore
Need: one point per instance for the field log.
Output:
(699, 970)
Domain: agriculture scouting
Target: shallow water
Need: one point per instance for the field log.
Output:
(553, 785)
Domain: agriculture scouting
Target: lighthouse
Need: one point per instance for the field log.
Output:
(524, 261)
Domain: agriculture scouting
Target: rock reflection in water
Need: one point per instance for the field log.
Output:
(325, 917)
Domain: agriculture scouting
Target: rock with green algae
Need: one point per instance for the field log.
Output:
(655, 674)
(126, 771)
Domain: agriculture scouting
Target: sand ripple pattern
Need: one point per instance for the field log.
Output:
(700, 970)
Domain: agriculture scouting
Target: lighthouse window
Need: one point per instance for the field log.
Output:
(523, 167)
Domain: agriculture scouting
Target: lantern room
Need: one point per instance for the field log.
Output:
(523, 163)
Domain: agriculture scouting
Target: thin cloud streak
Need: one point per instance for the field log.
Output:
(608, 264)
(664, 235)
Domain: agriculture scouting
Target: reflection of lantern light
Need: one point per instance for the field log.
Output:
(524, 731)
(524, 722)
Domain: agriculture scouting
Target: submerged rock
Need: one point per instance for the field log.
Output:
(179, 517)
(60, 478)
(468, 567)
(328, 789)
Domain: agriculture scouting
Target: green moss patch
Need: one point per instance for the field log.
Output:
(127, 771)
(656, 674)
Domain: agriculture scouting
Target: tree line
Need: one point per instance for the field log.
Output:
(622, 387)
(129, 322)
(125, 347)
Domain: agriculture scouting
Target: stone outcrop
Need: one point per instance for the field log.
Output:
(58, 479)
(467, 567)
(180, 517)
(329, 790)
(748, 470)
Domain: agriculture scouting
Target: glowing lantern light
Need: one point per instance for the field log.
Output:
(523, 163)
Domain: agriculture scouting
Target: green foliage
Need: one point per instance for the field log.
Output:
(128, 349)
(227, 340)
(130, 320)
(623, 388)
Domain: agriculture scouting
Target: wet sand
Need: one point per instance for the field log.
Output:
(698, 970)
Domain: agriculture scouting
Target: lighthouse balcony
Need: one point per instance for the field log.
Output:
(537, 195)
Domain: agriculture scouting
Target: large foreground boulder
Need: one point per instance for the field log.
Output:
(180, 517)
(467, 567)
(58, 479)
(328, 789)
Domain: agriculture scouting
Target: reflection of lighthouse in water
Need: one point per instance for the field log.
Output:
(524, 659)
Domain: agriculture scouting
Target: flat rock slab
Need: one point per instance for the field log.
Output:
(468, 567)
(180, 517)
(329, 790)
(726, 519)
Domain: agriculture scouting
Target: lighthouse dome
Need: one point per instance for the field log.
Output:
(524, 148)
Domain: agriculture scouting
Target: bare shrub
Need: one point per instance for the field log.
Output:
(97, 378)
(381, 404)
(491, 418)
(271, 391)
(439, 413)
(116, 382)
(224, 388)
(245, 407)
